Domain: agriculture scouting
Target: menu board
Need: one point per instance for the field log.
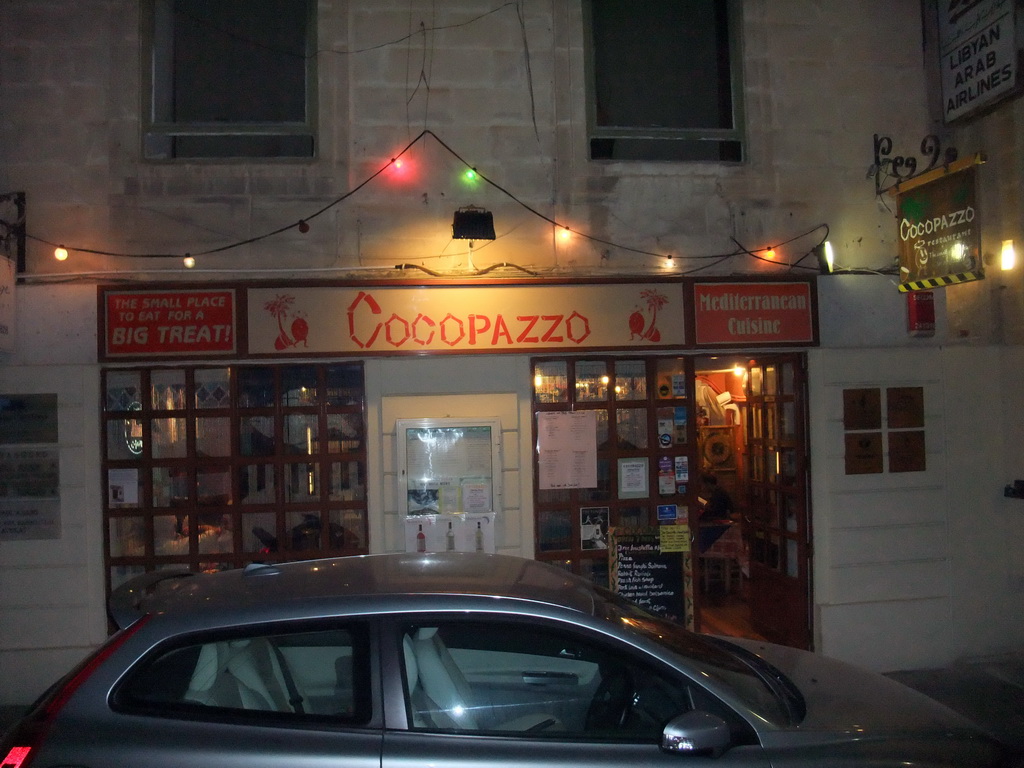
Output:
(643, 572)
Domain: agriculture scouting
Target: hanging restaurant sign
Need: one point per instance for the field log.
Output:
(753, 313)
(939, 228)
(479, 318)
(168, 322)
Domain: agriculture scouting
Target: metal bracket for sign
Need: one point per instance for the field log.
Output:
(902, 168)
(935, 173)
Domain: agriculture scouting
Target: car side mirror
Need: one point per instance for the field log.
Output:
(696, 733)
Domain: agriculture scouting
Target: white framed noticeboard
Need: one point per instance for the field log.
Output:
(449, 483)
(448, 466)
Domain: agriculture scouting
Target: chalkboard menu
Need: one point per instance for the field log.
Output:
(657, 580)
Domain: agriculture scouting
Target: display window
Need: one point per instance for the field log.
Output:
(640, 408)
(212, 468)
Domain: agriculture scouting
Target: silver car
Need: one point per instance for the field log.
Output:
(458, 660)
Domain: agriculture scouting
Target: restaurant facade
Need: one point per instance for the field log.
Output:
(259, 360)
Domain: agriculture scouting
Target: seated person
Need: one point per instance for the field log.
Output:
(716, 503)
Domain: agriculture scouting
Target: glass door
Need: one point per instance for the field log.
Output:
(777, 520)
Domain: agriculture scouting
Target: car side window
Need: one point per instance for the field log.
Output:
(508, 678)
(320, 674)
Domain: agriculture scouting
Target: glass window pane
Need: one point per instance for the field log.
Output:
(170, 487)
(786, 378)
(304, 531)
(256, 434)
(344, 385)
(792, 560)
(603, 492)
(255, 387)
(770, 380)
(213, 387)
(259, 532)
(344, 432)
(348, 529)
(630, 380)
(560, 696)
(632, 517)
(553, 496)
(329, 669)
(787, 420)
(124, 390)
(170, 535)
(602, 428)
(301, 482)
(213, 486)
(596, 571)
(127, 536)
(591, 381)
(169, 439)
(216, 533)
(671, 43)
(167, 389)
(672, 380)
(551, 382)
(298, 385)
(256, 484)
(554, 530)
(347, 482)
(124, 488)
(213, 437)
(124, 439)
(301, 433)
(756, 380)
(631, 428)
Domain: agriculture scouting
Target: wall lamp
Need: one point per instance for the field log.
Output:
(826, 258)
(473, 223)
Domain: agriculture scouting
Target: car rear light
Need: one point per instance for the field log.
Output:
(30, 733)
(16, 757)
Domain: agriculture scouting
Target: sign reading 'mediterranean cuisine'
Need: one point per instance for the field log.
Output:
(753, 313)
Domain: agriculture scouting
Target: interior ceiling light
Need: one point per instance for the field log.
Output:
(472, 223)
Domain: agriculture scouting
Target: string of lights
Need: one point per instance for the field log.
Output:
(302, 225)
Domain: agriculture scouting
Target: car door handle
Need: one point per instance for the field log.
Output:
(543, 678)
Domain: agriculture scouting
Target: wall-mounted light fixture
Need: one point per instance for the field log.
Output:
(1007, 256)
(472, 223)
(826, 258)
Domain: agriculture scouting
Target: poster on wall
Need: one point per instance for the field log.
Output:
(567, 449)
(29, 467)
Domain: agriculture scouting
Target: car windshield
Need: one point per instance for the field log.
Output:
(756, 688)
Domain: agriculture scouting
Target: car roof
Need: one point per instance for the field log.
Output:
(263, 586)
